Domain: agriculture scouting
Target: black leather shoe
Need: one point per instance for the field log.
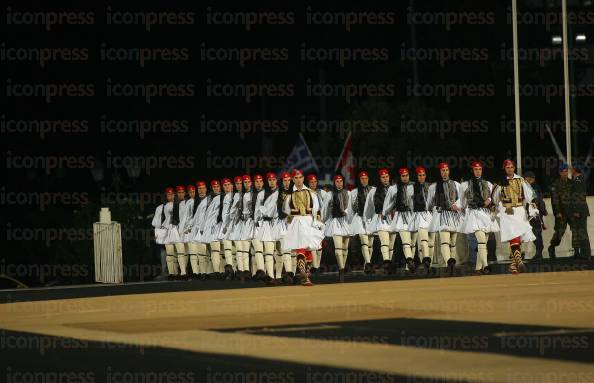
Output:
(288, 278)
(367, 268)
(412, 268)
(427, 264)
(451, 266)
(260, 276)
(552, 254)
(229, 272)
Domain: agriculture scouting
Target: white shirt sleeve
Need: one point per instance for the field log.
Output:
(287, 204)
(431, 196)
(157, 217)
(315, 204)
(369, 209)
(389, 200)
(528, 191)
(463, 202)
(259, 203)
(459, 194)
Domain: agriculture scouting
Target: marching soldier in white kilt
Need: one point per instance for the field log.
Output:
(257, 198)
(444, 198)
(160, 224)
(477, 220)
(198, 246)
(234, 232)
(336, 215)
(284, 256)
(224, 219)
(321, 195)
(304, 232)
(212, 227)
(174, 244)
(246, 230)
(359, 223)
(186, 223)
(399, 199)
(267, 219)
(422, 217)
(511, 197)
(380, 223)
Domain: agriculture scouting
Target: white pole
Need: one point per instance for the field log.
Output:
(517, 87)
(566, 84)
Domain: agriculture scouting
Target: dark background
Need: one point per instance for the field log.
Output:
(55, 181)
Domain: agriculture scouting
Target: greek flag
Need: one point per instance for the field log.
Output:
(301, 158)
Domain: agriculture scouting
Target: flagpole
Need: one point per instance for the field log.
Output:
(517, 87)
(344, 147)
(309, 152)
(566, 84)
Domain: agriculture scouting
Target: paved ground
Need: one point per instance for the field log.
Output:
(535, 327)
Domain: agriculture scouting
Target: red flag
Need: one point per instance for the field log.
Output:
(345, 163)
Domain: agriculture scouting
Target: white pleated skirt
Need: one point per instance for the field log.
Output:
(403, 221)
(235, 230)
(360, 225)
(338, 226)
(303, 234)
(270, 231)
(160, 236)
(478, 219)
(515, 225)
(421, 220)
(211, 234)
(247, 230)
(173, 235)
(445, 220)
(379, 224)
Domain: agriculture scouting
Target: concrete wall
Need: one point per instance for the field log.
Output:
(563, 250)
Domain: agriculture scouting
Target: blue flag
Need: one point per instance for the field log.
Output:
(301, 158)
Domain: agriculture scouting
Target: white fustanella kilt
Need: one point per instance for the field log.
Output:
(445, 220)
(173, 235)
(269, 231)
(200, 237)
(359, 226)
(421, 220)
(402, 221)
(478, 219)
(303, 233)
(515, 225)
(224, 232)
(338, 226)
(211, 234)
(160, 235)
(234, 230)
(379, 224)
(247, 230)
(188, 237)
(279, 229)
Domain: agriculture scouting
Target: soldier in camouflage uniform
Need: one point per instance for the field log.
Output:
(536, 212)
(579, 213)
(561, 202)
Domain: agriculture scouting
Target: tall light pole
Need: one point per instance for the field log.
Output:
(566, 84)
(517, 87)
